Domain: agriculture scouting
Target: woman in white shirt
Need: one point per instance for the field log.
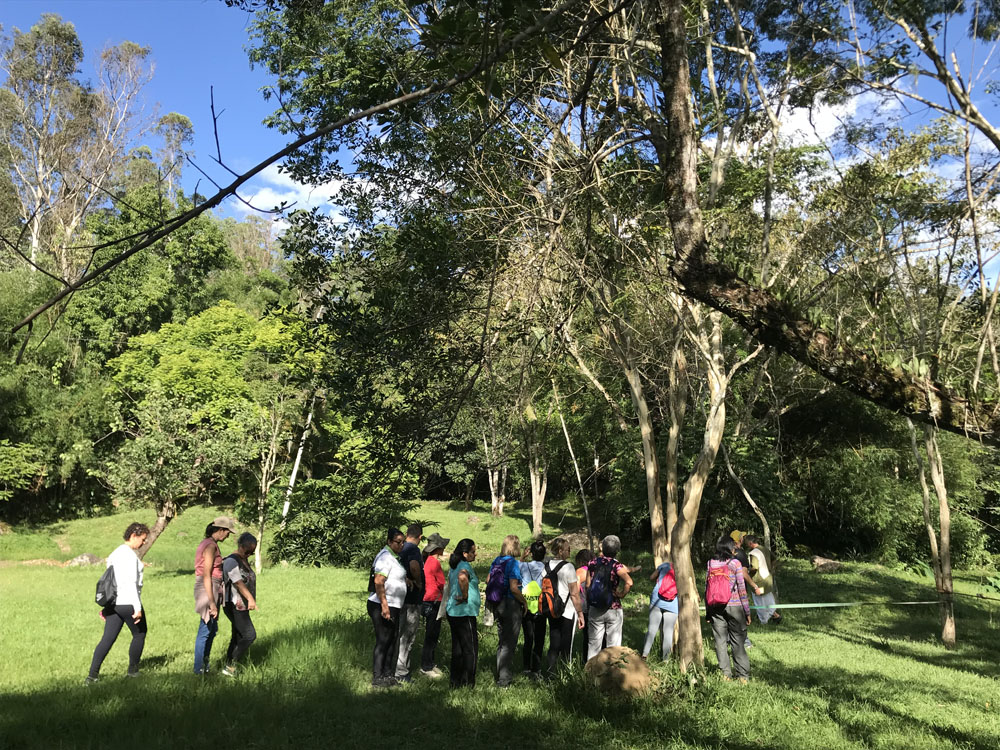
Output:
(388, 590)
(127, 607)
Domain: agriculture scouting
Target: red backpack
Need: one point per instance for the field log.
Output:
(718, 588)
(668, 586)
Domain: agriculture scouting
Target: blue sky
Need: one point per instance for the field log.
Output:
(196, 44)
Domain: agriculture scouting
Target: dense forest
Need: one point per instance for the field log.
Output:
(512, 303)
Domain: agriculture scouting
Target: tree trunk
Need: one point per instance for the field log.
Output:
(926, 496)
(690, 651)
(538, 474)
(946, 592)
(164, 516)
(677, 405)
(468, 495)
(650, 463)
(295, 468)
(261, 519)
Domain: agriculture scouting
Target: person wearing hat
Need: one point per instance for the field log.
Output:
(741, 555)
(433, 592)
(208, 589)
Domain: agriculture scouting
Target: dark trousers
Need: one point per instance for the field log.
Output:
(386, 649)
(243, 635)
(534, 641)
(560, 641)
(729, 629)
(508, 619)
(114, 618)
(432, 632)
(464, 651)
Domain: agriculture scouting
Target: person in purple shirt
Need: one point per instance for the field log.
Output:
(729, 621)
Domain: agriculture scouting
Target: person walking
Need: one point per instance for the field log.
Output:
(503, 590)
(762, 573)
(208, 589)
(567, 593)
(387, 587)
(728, 610)
(662, 613)
(533, 626)
(608, 582)
(462, 609)
(433, 591)
(740, 554)
(240, 600)
(127, 608)
(409, 617)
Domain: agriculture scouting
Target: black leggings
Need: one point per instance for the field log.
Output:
(432, 632)
(464, 651)
(114, 618)
(560, 640)
(386, 649)
(533, 627)
(243, 635)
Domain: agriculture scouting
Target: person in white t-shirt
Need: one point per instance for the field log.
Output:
(127, 607)
(388, 591)
(561, 630)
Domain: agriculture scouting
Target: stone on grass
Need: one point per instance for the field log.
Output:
(824, 564)
(85, 559)
(619, 671)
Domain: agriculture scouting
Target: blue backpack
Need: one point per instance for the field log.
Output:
(600, 593)
(496, 584)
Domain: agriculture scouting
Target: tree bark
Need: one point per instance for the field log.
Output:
(538, 474)
(946, 591)
(689, 644)
(650, 463)
(164, 516)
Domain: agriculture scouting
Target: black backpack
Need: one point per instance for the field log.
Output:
(107, 588)
(600, 593)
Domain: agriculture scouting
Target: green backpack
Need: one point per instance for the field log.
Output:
(531, 593)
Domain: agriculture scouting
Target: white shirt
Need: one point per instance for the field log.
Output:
(388, 565)
(128, 576)
(761, 562)
(566, 578)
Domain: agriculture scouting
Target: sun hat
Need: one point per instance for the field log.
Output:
(435, 541)
(737, 536)
(225, 522)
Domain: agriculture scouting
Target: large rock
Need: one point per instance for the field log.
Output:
(85, 559)
(619, 671)
(825, 565)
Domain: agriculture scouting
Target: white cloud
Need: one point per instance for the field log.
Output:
(272, 188)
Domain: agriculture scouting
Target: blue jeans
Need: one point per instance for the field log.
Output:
(203, 644)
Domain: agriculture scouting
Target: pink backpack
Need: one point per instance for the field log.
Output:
(719, 588)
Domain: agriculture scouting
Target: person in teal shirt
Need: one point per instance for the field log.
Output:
(463, 610)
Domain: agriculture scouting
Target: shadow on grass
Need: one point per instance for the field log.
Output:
(861, 704)
(308, 687)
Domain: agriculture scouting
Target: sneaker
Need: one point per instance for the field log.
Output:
(132, 674)
(229, 670)
(403, 678)
(747, 643)
(433, 674)
(90, 681)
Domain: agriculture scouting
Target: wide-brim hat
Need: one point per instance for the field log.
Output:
(225, 522)
(435, 541)
(737, 536)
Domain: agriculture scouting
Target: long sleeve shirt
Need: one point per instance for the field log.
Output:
(128, 576)
(737, 589)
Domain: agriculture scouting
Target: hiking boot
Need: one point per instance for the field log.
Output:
(88, 681)
(433, 674)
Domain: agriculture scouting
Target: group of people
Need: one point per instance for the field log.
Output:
(221, 584)
(528, 593)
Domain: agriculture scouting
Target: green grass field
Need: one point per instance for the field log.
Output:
(867, 677)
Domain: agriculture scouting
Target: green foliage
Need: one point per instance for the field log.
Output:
(342, 518)
(19, 465)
